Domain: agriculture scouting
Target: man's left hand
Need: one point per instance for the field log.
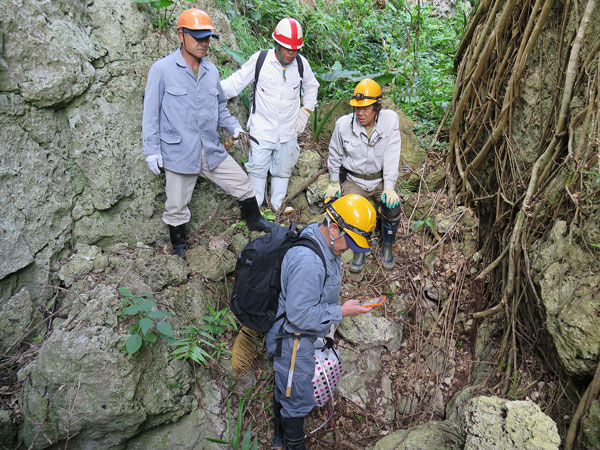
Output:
(353, 307)
(302, 120)
(390, 198)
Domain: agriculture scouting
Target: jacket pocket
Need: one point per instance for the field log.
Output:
(378, 146)
(175, 104)
(170, 138)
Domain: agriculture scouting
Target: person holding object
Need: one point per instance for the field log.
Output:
(309, 306)
(183, 106)
(277, 117)
(364, 152)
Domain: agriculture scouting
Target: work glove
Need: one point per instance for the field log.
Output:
(333, 190)
(154, 162)
(390, 198)
(301, 121)
(243, 140)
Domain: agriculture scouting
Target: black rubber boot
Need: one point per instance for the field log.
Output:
(278, 433)
(251, 214)
(294, 433)
(388, 236)
(178, 239)
(357, 264)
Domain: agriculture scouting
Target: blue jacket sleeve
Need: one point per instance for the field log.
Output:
(155, 89)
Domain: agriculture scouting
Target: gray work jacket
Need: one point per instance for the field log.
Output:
(352, 148)
(310, 303)
(181, 114)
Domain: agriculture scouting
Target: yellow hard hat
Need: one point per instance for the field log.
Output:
(356, 216)
(366, 93)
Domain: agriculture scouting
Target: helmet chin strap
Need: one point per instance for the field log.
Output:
(331, 238)
(285, 66)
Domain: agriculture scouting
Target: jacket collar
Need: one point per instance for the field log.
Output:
(181, 63)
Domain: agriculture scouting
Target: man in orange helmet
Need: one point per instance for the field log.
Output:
(183, 105)
(364, 153)
(277, 116)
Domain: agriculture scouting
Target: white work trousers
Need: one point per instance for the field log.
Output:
(275, 157)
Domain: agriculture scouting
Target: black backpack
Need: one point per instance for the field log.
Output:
(257, 282)
(259, 63)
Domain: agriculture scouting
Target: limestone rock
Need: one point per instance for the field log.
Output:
(568, 278)
(493, 423)
(370, 330)
(433, 435)
(81, 263)
(591, 426)
(213, 264)
(358, 370)
(16, 315)
(8, 431)
(109, 396)
(160, 271)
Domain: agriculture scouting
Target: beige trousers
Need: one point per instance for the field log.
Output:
(179, 188)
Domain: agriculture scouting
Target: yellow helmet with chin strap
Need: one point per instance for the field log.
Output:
(366, 93)
(356, 216)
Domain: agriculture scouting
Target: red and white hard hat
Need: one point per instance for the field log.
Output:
(288, 34)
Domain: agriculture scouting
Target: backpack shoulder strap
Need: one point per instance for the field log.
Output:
(259, 63)
(300, 70)
(300, 66)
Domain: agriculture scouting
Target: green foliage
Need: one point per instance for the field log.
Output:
(319, 122)
(163, 12)
(268, 214)
(194, 344)
(147, 325)
(217, 322)
(419, 224)
(200, 344)
(408, 48)
(595, 174)
(235, 432)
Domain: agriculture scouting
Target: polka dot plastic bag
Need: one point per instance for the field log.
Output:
(328, 371)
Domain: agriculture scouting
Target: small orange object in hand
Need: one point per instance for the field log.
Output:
(372, 302)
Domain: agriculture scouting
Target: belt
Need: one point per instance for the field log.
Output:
(367, 176)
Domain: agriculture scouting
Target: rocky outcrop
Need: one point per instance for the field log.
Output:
(568, 278)
(485, 423)
(72, 78)
(83, 388)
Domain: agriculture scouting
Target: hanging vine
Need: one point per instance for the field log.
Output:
(490, 171)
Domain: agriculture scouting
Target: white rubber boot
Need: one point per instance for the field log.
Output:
(259, 185)
(279, 187)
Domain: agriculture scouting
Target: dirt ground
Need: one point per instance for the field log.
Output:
(432, 295)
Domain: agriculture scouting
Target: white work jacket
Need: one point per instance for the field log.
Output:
(277, 99)
(351, 147)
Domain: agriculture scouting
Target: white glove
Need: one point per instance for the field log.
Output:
(301, 121)
(243, 140)
(154, 162)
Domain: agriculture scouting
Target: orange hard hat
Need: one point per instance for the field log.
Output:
(195, 19)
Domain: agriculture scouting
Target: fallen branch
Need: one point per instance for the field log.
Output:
(301, 189)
